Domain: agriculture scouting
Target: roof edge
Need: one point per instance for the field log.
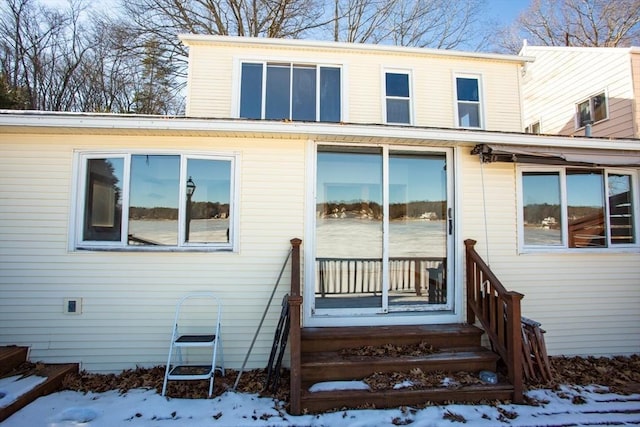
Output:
(195, 39)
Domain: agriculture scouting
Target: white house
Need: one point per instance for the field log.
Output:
(343, 146)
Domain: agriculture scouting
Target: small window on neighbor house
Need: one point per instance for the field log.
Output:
(156, 201)
(533, 128)
(468, 102)
(290, 92)
(397, 97)
(592, 110)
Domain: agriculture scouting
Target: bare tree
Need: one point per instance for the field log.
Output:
(163, 20)
(598, 23)
(42, 50)
(441, 24)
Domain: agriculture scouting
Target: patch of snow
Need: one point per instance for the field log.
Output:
(339, 385)
(11, 388)
(403, 384)
(146, 408)
(74, 416)
(448, 382)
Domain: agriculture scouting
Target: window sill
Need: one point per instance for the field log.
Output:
(579, 251)
(147, 249)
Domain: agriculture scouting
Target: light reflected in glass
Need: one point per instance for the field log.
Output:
(153, 200)
(542, 217)
(585, 208)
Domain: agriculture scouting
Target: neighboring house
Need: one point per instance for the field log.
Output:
(363, 152)
(566, 88)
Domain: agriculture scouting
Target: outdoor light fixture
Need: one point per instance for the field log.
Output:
(191, 187)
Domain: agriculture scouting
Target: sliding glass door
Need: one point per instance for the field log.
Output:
(382, 231)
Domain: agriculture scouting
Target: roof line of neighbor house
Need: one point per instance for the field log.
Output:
(326, 131)
(192, 39)
(585, 49)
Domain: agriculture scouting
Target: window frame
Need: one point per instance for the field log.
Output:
(81, 161)
(590, 99)
(291, 65)
(564, 246)
(534, 128)
(480, 103)
(386, 97)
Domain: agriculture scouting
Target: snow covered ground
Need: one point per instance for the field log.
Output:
(568, 406)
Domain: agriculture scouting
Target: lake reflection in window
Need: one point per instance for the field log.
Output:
(542, 217)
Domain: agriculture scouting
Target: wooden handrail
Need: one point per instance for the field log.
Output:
(499, 313)
(295, 302)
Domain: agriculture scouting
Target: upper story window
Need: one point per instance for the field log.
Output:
(397, 97)
(578, 208)
(468, 101)
(155, 201)
(592, 110)
(290, 91)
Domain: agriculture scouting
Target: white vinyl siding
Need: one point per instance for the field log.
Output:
(433, 91)
(587, 302)
(128, 299)
(562, 77)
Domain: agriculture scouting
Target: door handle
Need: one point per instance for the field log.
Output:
(450, 221)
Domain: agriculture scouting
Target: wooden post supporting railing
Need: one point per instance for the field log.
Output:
(499, 313)
(295, 302)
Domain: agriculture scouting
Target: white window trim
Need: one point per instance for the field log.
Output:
(481, 102)
(529, 127)
(79, 192)
(564, 248)
(383, 91)
(588, 98)
(265, 61)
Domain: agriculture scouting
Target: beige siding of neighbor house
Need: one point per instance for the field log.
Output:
(586, 301)
(635, 71)
(128, 298)
(213, 88)
(560, 77)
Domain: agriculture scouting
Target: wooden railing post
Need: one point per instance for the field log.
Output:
(469, 246)
(514, 333)
(295, 302)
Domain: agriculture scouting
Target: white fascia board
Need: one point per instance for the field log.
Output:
(193, 39)
(324, 131)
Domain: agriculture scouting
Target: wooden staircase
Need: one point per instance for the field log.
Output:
(12, 359)
(456, 348)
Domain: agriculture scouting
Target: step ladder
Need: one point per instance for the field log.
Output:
(196, 325)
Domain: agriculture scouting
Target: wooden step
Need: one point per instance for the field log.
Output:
(55, 375)
(337, 338)
(11, 357)
(340, 399)
(332, 366)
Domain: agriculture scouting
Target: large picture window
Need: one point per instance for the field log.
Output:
(155, 201)
(578, 208)
(290, 91)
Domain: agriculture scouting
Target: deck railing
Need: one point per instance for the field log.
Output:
(498, 311)
(295, 302)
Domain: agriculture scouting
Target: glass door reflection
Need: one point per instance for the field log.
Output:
(349, 220)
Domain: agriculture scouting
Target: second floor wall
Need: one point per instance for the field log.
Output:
(231, 77)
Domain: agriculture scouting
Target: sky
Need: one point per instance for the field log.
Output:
(566, 406)
(506, 11)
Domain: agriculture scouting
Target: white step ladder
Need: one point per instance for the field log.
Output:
(191, 312)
